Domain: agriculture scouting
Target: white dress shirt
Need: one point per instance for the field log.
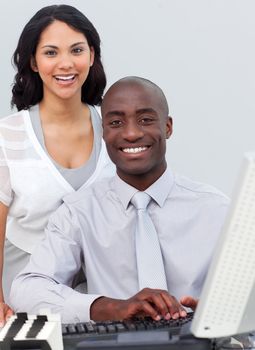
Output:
(96, 227)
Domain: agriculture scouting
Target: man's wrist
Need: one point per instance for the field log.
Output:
(96, 309)
(103, 308)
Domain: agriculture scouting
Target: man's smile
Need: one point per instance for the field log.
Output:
(135, 149)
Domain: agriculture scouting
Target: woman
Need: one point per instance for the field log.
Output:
(52, 145)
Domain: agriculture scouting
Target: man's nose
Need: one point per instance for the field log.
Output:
(133, 131)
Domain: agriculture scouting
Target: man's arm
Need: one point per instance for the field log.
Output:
(47, 279)
(46, 282)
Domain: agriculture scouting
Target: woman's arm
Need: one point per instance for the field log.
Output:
(5, 310)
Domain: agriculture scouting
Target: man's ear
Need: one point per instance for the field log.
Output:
(33, 64)
(169, 127)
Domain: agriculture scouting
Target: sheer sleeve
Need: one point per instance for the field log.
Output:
(5, 183)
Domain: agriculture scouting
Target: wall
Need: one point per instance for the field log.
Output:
(200, 52)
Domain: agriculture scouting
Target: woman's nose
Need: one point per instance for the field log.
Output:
(65, 62)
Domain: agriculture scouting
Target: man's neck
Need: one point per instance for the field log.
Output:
(140, 181)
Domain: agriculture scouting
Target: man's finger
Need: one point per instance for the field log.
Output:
(189, 302)
(172, 304)
(170, 300)
(148, 309)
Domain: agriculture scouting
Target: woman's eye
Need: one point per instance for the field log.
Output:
(77, 50)
(50, 53)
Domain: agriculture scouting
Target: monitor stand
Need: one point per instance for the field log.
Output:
(244, 341)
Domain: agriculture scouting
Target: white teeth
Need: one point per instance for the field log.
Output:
(134, 150)
(65, 78)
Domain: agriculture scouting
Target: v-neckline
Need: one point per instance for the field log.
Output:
(44, 155)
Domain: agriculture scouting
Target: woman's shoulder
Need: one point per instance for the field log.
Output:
(13, 128)
(14, 120)
(95, 111)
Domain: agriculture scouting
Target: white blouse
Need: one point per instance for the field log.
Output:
(30, 183)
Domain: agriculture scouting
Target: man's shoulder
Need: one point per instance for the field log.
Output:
(80, 203)
(199, 189)
(94, 192)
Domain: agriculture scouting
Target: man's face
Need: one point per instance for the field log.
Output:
(135, 128)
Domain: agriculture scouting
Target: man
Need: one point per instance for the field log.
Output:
(95, 228)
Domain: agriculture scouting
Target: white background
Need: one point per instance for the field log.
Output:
(201, 53)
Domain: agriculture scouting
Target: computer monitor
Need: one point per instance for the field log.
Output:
(227, 302)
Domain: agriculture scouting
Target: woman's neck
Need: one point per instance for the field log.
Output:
(62, 111)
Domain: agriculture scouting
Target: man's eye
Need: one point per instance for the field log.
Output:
(115, 123)
(146, 120)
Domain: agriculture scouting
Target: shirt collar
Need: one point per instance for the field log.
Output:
(159, 190)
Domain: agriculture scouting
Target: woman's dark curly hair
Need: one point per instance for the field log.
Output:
(28, 88)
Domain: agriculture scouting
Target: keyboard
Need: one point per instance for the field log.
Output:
(35, 332)
(142, 334)
(45, 332)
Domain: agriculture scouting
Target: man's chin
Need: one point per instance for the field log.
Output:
(129, 171)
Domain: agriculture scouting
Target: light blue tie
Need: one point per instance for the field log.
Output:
(150, 267)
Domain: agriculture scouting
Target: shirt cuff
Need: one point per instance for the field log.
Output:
(78, 307)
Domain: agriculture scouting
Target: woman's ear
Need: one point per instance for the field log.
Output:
(33, 64)
(92, 56)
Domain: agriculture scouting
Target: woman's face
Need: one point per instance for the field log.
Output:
(63, 59)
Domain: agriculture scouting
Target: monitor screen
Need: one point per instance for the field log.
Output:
(227, 302)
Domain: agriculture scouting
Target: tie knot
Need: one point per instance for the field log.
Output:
(140, 200)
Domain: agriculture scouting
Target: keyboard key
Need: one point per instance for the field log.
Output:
(81, 328)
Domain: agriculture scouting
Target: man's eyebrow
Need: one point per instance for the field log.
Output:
(138, 111)
(114, 113)
(145, 110)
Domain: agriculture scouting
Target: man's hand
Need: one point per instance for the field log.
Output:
(5, 313)
(189, 302)
(155, 303)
